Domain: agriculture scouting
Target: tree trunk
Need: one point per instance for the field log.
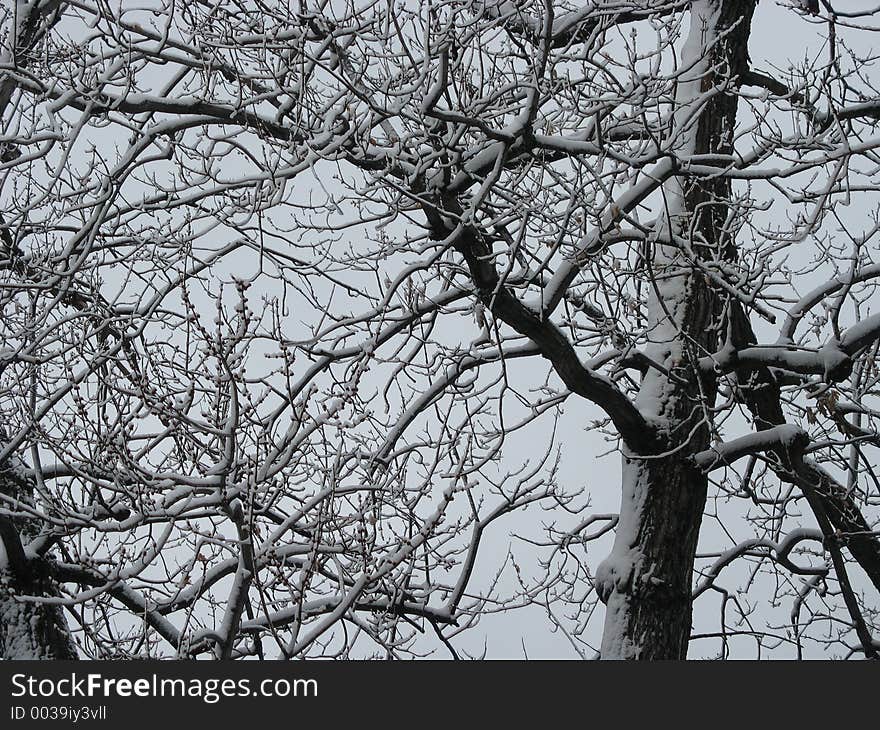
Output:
(647, 586)
(646, 581)
(28, 629)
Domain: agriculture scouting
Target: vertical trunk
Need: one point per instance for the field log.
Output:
(31, 630)
(646, 581)
(28, 629)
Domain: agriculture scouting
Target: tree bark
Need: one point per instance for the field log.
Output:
(28, 629)
(646, 581)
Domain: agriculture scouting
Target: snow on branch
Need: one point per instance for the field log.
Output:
(787, 437)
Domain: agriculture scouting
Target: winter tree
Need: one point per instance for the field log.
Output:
(342, 329)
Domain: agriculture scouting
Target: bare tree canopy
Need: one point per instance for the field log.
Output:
(354, 329)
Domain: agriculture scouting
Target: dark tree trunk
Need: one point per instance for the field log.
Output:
(29, 629)
(648, 614)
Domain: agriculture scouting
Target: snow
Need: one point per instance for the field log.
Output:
(30, 630)
(667, 303)
(591, 244)
(666, 312)
(789, 436)
(615, 573)
(861, 334)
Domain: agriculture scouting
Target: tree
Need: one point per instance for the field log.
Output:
(299, 301)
